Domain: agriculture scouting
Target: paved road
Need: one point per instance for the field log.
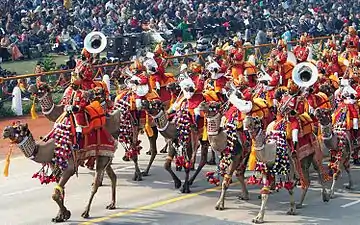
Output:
(155, 201)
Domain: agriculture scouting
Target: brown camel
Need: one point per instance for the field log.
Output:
(332, 136)
(168, 130)
(43, 152)
(266, 152)
(218, 141)
(53, 111)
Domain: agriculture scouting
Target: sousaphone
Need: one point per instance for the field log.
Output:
(95, 42)
(305, 74)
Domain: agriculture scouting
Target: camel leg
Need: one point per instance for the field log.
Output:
(305, 165)
(186, 186)
(292, 210)
(260, 217)
(110, 172)
(204, 152)
(335, 177)
(212, 160)
(265, 191)
(164, 149)
(59, 194)
(167, 166)
(137, 174)
(153, 149)
(325, 195)
(101, 164)
(220, 204)
(347, 169)
(241, 177)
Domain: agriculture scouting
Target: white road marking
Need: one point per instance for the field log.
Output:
(124, 168)
(160, 182)
(21, 192)
(350, 204)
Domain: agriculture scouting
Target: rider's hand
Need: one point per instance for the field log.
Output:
(69, 108)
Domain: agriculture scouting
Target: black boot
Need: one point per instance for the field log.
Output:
(78, 139)
(356, 135)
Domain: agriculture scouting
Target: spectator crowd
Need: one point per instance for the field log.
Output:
(29, 27)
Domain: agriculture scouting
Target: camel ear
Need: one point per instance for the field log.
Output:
(26, 126)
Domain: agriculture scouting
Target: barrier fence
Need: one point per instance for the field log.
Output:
(168, 59)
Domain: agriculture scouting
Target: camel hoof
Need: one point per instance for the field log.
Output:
(85, 215)
(62, 217)
(178, 168)
(244, 197)
(291, 212)
(101, 184)
(185, 189)
(191, 182)
(325, 197)
(125, 158)
(257, 220)
(332, 195)
(211, 162)
(145, 174)
(111, 206)
(348, 186)
(177, 184)
(148, 152)
(299, 206)
(219, 207)
(163, 150)
(137, 178)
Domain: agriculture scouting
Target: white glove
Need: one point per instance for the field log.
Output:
(69, 108)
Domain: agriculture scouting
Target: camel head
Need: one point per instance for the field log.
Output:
(97, 94)
(40, 89)
(152, 107)
(323, 115)
(253, 125)
(17, 132)
(327, 89)
(210, 108)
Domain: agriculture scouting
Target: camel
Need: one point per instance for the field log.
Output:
(266, 152)
(334, 138)
(168, 130)
(218, 141)
(53, 111)
(43, 152)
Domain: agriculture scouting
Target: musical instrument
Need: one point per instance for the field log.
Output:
(95, 42)
(305, 74)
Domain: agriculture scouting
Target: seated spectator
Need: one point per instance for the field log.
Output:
(12, 48)
(66, 40)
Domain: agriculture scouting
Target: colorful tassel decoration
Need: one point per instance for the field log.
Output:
(148, 129)
(252, 159)
(205, 134)
(33, 111)
(7, 162)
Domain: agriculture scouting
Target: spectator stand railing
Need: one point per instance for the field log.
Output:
(169, 61)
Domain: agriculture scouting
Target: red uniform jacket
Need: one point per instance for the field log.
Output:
(301, 53)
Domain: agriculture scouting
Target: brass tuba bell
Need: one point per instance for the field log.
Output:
(305, 74)
(95, 42)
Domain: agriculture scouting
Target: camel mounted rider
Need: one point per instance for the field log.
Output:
(191, 98)
(266, 88)
(291, 108)
(301, 51)
(278, 58)
(332, 56)
(215, 86)
(351, 44)
(347, 112)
